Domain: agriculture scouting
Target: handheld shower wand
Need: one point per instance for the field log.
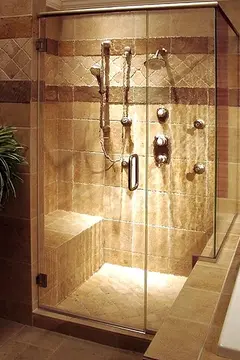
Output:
(96, 71)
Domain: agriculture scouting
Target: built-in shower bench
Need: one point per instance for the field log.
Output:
(72, 252)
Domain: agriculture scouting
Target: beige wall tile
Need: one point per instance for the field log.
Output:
(65, 134)
(93, 27)
(51, 134)
(182, 267)
(50, 167)
(88, 199)
(13, 7)
(86, 135)
(158, 240)
(9, 114)
(118, 203)
(118, 235)
(67, 29)
(89, 168)
(86, 110)
(158, 264)
(65, 195)
(118, 257)
(65, 165)
(50, 198)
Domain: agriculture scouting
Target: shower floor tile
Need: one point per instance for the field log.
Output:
(116, 294)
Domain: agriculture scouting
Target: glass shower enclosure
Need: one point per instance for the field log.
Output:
(137, 156)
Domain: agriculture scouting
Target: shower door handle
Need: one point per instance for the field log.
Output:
(133, 172)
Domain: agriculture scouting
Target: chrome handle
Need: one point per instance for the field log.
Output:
(199, 124)
(133, 172)
(199, 168)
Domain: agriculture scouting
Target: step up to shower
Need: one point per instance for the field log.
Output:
(72, 253)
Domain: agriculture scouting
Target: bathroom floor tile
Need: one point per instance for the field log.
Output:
(116, 294)
(38, 344)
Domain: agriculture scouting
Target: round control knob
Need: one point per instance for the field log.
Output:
(162, 159)
(161, 140)
(126, 121)
(199, 168)
(199, 124)
(162, 114)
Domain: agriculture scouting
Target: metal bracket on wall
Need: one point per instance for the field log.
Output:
(41, 45)
(41, 280)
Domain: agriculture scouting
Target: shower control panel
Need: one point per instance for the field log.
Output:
(161, 149)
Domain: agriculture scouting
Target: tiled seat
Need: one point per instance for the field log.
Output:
(72, 252)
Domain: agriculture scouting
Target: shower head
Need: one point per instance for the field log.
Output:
(157, 61)
(96, 71)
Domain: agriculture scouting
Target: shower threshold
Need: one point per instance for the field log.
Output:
(115, 294)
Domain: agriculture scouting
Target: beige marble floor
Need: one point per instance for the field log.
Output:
(116, 294)
(19, 342)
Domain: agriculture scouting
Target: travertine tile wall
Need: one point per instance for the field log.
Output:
(18, 107)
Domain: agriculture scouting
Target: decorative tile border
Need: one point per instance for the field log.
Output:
(137, 95)
(174, 45)
(52, 46)
(16, 27)
(15, 91)
(184, 70)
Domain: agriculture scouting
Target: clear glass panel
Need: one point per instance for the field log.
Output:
(94, 242)
(180, 217)
(142, 84)
(227, 128)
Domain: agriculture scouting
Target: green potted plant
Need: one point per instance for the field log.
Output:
(11, 156)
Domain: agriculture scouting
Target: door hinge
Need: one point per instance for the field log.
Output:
(41, 280)
(41, 45)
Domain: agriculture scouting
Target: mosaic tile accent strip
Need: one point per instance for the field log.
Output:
(15, 59)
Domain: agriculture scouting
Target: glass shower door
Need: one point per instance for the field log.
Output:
(95, 145)
(181, 87)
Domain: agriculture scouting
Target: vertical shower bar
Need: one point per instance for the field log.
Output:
(106, 45)
(105, 69)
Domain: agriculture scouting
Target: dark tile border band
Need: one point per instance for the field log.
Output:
(15, 91)
(52, 46)
(16, 27)
(174, 45)
(137, 95)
